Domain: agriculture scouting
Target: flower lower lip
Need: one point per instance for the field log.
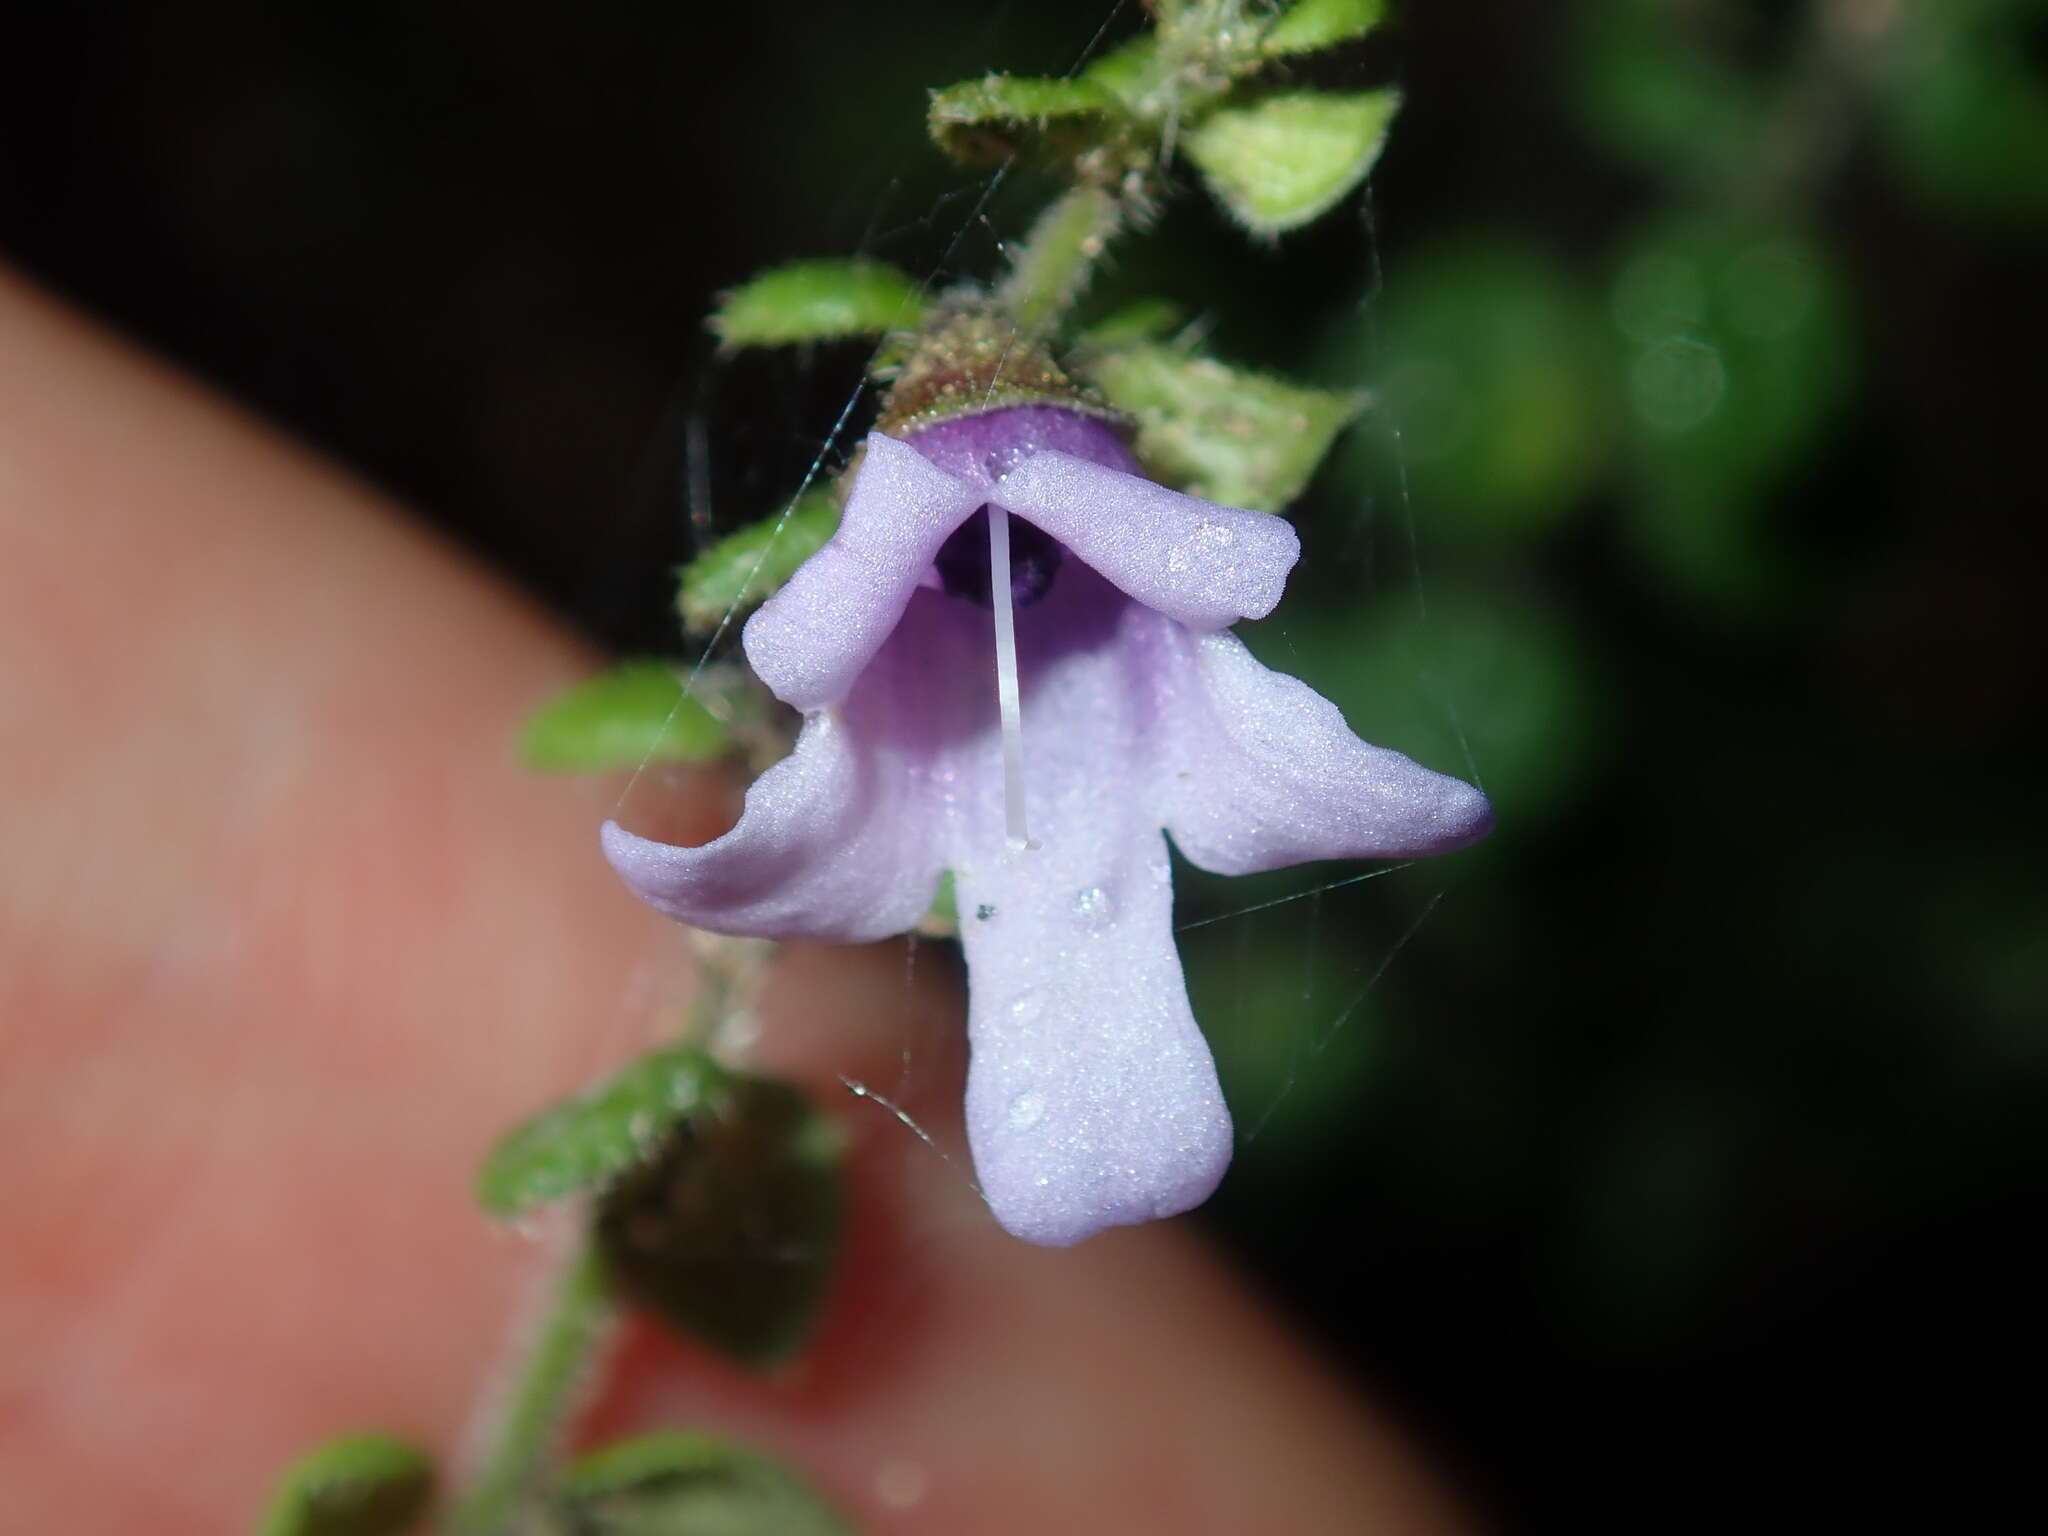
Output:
(963, 563)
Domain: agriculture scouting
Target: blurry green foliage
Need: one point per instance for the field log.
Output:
(635, 714)
(1966, 106)
(1735, 354)
(1488, 685)
(675, 1483)
(1296, 1039)
(355, 1485)
(1654, 92)
(1486, 363)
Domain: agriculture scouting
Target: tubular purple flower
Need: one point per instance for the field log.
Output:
(1133, 714)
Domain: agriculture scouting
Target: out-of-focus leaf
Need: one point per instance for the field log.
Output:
(731, 1230)
(991, 121)
(825, 299)
(1487, 365)
(1735, 354)
(1966, 107)
(1221, 433)
(675, 1483)
(1309, 25)
(633, 715)
(749, 566)
(359, 1485)
(1296, 1035)
(593, 1139)
(1660, 98)
(1492, 687)
(1279, 161)
(1140, 320)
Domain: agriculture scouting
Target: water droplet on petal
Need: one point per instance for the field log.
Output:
(1026, 1110)
(1093, 906)
(1027, 1006)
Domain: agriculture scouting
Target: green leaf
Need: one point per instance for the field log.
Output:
(1129, 71)
(1140, 320)
(635, 714)
(1486, 683)
(989, 122)
(942, 918)
(592, 1140)
(673, 1482)
(731, 1233)
(1310, 25)
(1487, 363)
(748, 567)
(1220, 433)
(820, 300)
(359, 1485)
(1654, 88)
(1966, 108)
(1735, 343)
(1280, 161)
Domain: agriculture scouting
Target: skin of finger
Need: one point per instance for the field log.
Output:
(286, 939)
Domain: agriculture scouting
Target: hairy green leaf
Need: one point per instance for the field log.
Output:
(1280, 161)
(359, 1485)
(675, 1482)
(730, 1232)
(1310, 25)
(637, 713)
(991, 121)
(747, 567)
(592, 1140)
(1221, 433)
(824, 299)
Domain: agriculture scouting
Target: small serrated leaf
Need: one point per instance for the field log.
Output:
(1308, 26)
(635, 714)
(673, 1481)
(999, 118)
(1280, 161)
(731, 1232)
(748, 567)
(1222, 433)
(358, 1485)
(826, 299)
(592, 1140)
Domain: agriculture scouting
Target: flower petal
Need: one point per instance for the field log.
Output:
(831, 845)
(810, 640)
(1092, 1101)
(1263, 772)
(1202, 564)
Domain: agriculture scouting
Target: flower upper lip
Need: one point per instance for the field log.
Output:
(1203, 565)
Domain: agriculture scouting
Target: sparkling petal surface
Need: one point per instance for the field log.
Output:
(810, 640)
(836, 841)
(1191, 560)
(1091, 1100)
(1091, 1097)
(1264, 773)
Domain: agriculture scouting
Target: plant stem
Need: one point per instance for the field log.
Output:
(1053, 265)
(559, 1361)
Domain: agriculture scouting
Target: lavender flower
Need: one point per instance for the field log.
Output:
(1014, 663)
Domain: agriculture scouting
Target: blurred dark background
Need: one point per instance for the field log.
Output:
(1676, 1156)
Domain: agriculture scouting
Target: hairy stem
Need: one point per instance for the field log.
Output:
(1051, 268)
(506, 1497)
